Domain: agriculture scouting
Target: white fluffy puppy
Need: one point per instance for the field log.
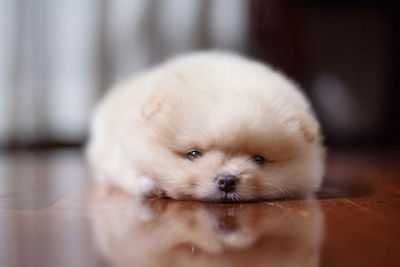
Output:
(209, 126)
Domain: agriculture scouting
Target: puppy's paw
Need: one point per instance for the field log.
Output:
(148, 188)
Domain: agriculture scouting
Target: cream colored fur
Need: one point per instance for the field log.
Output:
(229, 108)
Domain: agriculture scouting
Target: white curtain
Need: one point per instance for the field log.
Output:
(58, 56)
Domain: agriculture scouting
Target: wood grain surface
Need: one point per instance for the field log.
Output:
(50, 215)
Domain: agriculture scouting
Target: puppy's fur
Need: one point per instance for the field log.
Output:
(225, 106)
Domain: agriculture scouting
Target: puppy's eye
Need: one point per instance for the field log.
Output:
(259, 160)
(192, 155)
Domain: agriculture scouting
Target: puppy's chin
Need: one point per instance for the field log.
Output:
(227, 197)
(240, 195)
(269, 194)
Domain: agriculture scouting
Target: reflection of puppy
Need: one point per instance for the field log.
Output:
(209, 126)
(160, 232)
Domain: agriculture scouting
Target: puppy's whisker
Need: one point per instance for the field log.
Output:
(236, 197)
(279, 189)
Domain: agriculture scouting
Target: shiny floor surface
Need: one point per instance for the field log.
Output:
(51, 216)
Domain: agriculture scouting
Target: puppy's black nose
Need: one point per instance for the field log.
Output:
(226, 182)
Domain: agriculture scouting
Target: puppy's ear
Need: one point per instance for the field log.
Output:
(160, 99)
(153, 104)
(307, 125)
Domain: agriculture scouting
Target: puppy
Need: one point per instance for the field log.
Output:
(209, 126)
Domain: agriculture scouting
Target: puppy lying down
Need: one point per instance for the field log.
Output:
(208, 126)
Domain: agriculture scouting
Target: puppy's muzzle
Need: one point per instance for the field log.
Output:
(226, 182)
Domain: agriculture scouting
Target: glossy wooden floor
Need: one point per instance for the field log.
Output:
(51, 216)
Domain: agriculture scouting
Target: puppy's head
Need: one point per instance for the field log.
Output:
(229, 132)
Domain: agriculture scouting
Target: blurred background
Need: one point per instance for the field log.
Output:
(58, 57)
